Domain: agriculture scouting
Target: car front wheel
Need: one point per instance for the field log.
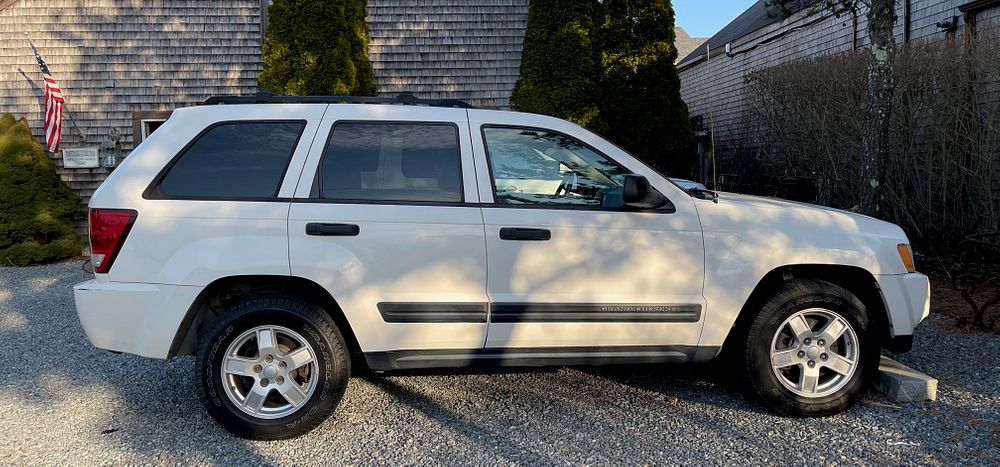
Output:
(272, 368)
(812, 349)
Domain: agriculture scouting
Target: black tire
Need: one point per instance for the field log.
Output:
(789, 299)
(332, 368)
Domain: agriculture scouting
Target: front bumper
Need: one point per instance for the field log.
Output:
(907, 301)
(134, 318)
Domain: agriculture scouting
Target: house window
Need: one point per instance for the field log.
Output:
(145, 123)
(149, 125)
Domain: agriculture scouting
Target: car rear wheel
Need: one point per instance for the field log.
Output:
(272, 368)
(812, 349)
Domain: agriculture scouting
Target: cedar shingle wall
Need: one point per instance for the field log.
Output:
(989, 19)
(115, 57)
(714, 89)
(448, 48)
(112, 58)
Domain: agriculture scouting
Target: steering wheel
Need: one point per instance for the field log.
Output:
(569, 181)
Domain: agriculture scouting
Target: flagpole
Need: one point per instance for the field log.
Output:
(68, 116)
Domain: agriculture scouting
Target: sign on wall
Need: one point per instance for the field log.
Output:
(80, 158)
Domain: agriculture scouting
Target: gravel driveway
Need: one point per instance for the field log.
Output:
(62, 400)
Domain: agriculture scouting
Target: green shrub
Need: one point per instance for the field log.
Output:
(640, 99)
(36, 207)
(317, 47)
(609, 65)
(558, 67)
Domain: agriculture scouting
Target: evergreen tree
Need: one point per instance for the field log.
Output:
(558, 68)
(317, 47)
(640, 101)
(36, 207)
(609, 65)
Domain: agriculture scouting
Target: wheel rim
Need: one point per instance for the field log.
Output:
(814, 353)
(269, 372)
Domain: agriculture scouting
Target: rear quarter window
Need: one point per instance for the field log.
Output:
(232, 160)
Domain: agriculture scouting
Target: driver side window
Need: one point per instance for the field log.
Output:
(537, 167)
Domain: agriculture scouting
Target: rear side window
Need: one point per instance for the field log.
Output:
(373, 161)
(235, 160)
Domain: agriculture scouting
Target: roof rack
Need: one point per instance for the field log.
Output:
(404, 98)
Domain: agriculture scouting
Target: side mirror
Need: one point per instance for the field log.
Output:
(638, 193)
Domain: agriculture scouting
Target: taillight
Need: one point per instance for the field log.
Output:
(108, 229)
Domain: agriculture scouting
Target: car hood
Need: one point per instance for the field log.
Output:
(832, 220)
(742, 231)
(766, 201)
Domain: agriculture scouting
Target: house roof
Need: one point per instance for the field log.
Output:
(685, 43)
(759, 15)
(6, 3)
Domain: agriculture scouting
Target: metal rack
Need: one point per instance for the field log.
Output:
(405, 98)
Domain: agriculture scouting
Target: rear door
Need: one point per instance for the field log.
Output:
(386, 218)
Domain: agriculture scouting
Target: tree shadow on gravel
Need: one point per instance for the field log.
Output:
(86, 404)
(555, 411)
(727, 389)
(457, 423)
(722, 385)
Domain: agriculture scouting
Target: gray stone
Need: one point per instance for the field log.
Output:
(904, 384)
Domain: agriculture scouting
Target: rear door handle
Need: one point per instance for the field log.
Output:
(342, 230)
(519, 233)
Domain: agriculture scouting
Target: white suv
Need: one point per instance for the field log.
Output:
(284, 240)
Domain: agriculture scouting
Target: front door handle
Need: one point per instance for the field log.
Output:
(342, 230)
(520, 233)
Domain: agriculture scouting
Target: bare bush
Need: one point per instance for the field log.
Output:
(981, 277)
(942, 169)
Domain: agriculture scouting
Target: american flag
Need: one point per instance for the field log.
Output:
(53, 106)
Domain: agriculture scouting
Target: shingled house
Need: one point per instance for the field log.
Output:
(713, 77)
(124, 64)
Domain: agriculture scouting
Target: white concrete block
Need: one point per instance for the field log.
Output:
(904, 384)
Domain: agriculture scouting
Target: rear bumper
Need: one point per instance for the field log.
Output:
(907, 299)
(134, 318)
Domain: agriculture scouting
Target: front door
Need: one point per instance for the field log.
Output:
(390, 225)
(569, 266)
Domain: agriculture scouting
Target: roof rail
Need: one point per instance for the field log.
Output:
(404, 98)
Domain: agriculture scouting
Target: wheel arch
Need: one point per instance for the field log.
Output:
(856, 280)
(226, 291)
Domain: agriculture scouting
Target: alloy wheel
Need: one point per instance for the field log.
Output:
(814, 353)
(269, 372)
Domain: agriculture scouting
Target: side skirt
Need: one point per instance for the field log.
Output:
(545, 356)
